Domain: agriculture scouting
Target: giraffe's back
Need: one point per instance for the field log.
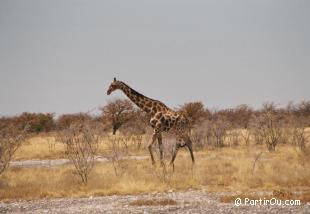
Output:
(170, 121)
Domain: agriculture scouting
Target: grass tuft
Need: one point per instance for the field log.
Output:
(153, 202)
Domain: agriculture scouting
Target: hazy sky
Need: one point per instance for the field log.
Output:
(60, 56)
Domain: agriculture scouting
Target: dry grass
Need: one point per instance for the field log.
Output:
(153, 202)
(31, 183)
(40, 148)
(228, 169)
(46, 147)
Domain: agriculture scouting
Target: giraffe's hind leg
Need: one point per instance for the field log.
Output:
(189, 145)
(175, 151)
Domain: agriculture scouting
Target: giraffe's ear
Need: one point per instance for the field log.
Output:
(114, 79)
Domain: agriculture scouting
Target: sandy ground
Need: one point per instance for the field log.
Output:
(57, 162)
(186, 202)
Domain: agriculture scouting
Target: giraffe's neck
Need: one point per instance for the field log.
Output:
(144, 103)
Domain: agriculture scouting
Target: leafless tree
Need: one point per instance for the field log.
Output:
(299, 137)
(10, 140)
(268, 126)
(211, 133)
(117, 113)
(256, 131)
(298, 132)
(219, 129)
(199, 136)
(81, 141)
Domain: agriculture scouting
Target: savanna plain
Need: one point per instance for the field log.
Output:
(267, 158)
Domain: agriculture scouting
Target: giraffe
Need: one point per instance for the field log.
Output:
(163, 119)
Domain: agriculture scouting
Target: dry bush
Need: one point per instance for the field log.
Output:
(234, 137)
(137, 140)
(199, 136)
(118, 149)
(10, 140)
(194, 112)
(35, 122)
(219, 128)
(64, 121)
(242, 116)
(117, 113)
(245, 136)
(256, 132)
(134, 130)
(302, 111)
(299, 137)
(268, 127)
(238, 117)
(211, 133)
(81, 142)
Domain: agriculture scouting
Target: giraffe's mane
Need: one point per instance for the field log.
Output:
(133, 91)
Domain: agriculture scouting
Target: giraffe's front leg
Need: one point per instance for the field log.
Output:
(150, 146)
(160, 145)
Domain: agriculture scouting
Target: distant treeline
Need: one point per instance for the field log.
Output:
(118, 113)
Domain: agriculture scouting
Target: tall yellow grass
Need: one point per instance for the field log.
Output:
(228, 169)
(40, 148)
(47, 147)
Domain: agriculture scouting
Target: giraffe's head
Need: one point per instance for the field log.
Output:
(114, 85)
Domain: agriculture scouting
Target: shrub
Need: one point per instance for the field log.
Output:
(194, 112)
(10, 140)
(268, 127)
(211, 133)
(64, 121)
(81, 141)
